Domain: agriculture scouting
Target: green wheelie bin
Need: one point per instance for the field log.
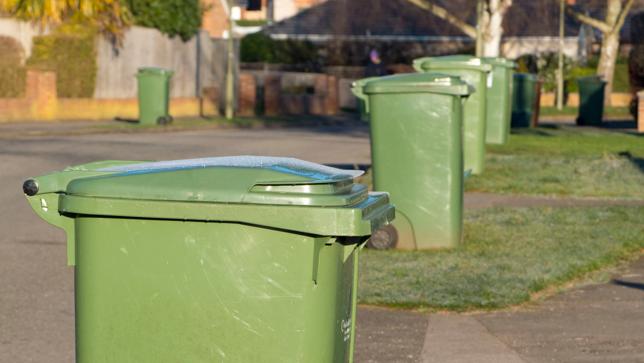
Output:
(363, 101)
(591, 101)
(478, 74)
(154, 95)
(241, 259)
(524, 99)
(417, 156)
(499, 100)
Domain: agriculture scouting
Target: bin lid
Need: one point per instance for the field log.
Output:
(155, 71)
(527, 76)
(458, 61)
(499, 62)
(590, 79)
(236, 179)
(418, 83)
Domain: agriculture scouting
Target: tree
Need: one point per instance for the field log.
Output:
(489, 23)
(172, 17)
(616, 11)
(109, 16)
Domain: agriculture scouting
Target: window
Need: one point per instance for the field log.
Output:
(254, 5)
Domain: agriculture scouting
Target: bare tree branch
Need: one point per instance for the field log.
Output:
(602, 26)
(442, 13)
(622, 16)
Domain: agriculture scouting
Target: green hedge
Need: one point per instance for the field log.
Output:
(172, 17)
(72, 57)
(12, 73)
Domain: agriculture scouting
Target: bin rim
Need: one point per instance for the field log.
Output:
(500, 62)
(155, 71)
(451, 62)
(426, 82)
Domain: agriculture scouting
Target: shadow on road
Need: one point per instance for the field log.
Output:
(629, 284)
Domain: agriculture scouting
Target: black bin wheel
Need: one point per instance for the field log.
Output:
(164, 120)
(384, 238)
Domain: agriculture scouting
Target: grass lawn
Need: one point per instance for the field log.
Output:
(612, 112)
(565, 161)
(507, 256)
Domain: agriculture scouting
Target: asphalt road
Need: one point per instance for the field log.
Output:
(596, 323)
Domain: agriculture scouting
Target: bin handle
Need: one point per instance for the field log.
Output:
(46, 207)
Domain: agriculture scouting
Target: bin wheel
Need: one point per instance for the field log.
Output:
(164, 120)
(384, 238)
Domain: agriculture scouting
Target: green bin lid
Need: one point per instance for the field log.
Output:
(458, 61)
(418, 83)
(282, 193)
(499, 62)
(155, 71)
(527, 76)
(237, 179)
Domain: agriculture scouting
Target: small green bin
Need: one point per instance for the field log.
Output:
(591, 101)
(154, 95)
(524, 99)
(417, 156)
(499, 100)
(241, 259)
(478, 74)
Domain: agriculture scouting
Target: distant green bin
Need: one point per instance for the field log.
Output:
(154, 95)
(476, 73)
(242, 259)
(417, 156)
(499, 100)
(591, 101)
(524, 99)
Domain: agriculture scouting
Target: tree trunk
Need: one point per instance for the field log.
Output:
(607, 59)
(492, 26)
(610, 47)
(493, 32)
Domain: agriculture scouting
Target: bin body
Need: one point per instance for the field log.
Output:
(154, 95)
(185, 272)
(591, 101)
(475, 73)
(499, 101)
(524, 99)
(417, 155)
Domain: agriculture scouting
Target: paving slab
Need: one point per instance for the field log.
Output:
(594, 323)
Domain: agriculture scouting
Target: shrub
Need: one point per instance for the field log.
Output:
(259, 47)
(636, 75)
(72, 57)
(12, 73)
(574, 74)
(172, 17)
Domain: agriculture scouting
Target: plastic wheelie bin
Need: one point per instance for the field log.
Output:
(591, 101)
(241, 259)
(525, 99)
(477, 74)
(417, 156)
(499, 100)
(154, 95)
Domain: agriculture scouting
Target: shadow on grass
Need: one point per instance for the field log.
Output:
(638, 162)
(534, 132)
(629, 284)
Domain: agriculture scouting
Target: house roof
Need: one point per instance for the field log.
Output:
(399, 19)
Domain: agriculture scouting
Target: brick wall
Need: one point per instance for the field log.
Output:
(247, 94)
